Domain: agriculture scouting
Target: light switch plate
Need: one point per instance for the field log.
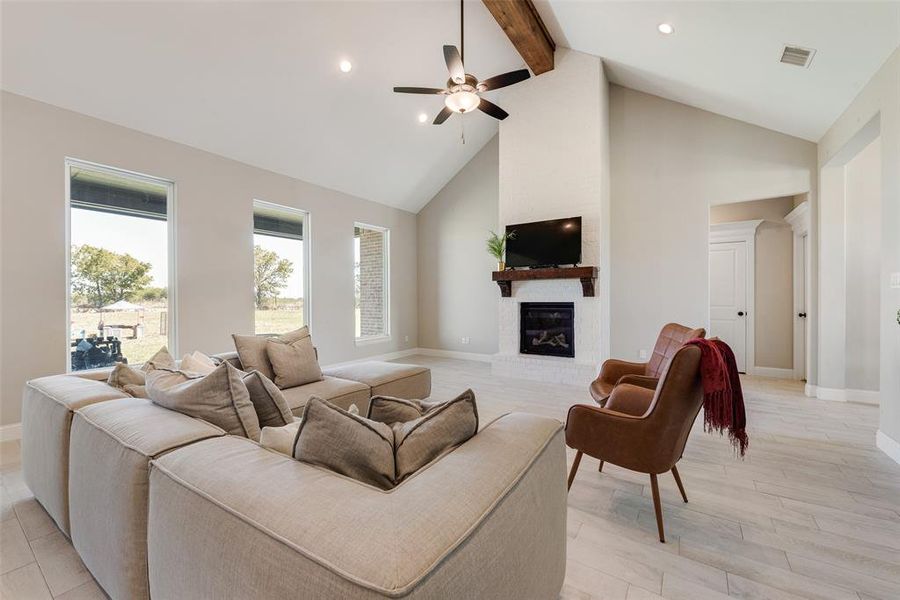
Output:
(895, 280)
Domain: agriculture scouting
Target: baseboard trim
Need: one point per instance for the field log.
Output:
(11, 432)
(888, 445)
(847, 395)
(864, 396)
(454, 354)
(774, 373)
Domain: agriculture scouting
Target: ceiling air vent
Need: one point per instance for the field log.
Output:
(797, 56)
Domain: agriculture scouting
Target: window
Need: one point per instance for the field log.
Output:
(371, 247)
(280, 267)
(120, 305)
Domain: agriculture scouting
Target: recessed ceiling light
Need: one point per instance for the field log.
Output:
(346, 66)
(422, 117)
(666, 28)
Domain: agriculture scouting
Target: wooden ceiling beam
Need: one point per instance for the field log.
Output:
(525, 29)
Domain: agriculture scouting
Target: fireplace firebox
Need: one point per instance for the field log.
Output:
(547, 328)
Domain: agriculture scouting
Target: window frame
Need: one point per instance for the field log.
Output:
(386, 336)
(307, 252)
(171, 250)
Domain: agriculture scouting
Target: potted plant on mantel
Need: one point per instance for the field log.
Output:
(496, 247)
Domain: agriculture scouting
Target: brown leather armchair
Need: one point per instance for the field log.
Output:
(646, 374)
(640, 429)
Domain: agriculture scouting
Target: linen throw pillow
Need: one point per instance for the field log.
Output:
(441, 428)
(128, 379)
(294, 362)
(387, 409)
(280, 439)
(251, 349)
(345, 443)
(197, 362)
(220, 398)
(272, 409)
(161, 360)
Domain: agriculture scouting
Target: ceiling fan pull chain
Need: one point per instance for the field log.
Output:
(462, 127)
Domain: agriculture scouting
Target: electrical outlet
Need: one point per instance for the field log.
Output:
(895, 280)
(642, 354)
(464, 340)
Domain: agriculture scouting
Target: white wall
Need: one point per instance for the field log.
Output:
(669, 163)
(213, 245)
(553, 164)
(862, 210)
(456, 295)
(880, 99)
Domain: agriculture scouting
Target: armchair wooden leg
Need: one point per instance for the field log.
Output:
(574, 469)
(601, 467)
(658, 507)
(678, 481)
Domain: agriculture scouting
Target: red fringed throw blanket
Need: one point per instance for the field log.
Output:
(723, 400)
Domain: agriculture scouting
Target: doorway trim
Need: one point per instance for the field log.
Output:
(799, 221)
(742, 231)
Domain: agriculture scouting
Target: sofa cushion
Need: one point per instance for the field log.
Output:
(341, 392)
(441, 428)
(271, 408)
(345, 443)
(294, 363)
(387, 378)
(220, 398)
(252, 349)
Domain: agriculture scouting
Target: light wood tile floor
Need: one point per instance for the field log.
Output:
(812, 512)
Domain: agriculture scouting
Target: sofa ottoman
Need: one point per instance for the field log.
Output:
(387, 379)
(341, 392)
(112, 444)
(48, 405)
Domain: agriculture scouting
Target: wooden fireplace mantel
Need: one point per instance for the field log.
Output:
(587, 275)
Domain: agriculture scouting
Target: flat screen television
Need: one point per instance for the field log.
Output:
(544, 243)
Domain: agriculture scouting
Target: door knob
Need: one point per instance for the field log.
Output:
(802, 315)
(740, 313)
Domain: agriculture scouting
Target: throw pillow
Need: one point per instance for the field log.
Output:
(197, 362)
(272, 409)
(442, 427)
(251, 349)
(161, 360)
(124, 377)
(294, 363)
(348, 444)
(220, 398)
(280, 439)
(387, 409)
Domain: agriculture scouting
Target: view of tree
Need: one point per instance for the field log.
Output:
(270, 275)
(102, 277)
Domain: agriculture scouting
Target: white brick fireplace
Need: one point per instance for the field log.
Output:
(553, 165)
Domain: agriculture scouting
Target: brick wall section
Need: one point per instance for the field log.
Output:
(371, 282)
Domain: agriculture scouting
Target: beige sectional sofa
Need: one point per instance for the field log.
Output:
(162, 505)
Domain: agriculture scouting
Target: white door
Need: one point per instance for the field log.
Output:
(728, 297)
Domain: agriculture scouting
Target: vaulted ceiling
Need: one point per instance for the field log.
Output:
(259, 82)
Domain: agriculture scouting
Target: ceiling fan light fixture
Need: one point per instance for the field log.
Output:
(462, 101)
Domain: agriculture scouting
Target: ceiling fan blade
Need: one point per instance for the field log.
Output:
(454, 64)
(492, 109)
(499, 81)
(442, 116)
(418, 90)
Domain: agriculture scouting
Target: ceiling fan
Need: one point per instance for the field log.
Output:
(463, 90)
